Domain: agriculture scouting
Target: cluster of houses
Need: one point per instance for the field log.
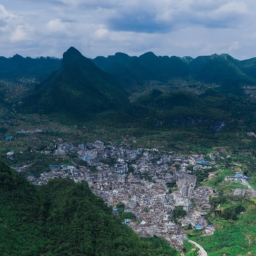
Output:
(238, 177)
(141, 179)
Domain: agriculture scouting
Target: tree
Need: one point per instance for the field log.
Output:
(3, 129)
(179, 212)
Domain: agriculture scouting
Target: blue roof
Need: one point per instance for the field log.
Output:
(87, 157)
(127, 221)
(54, 166)
(239, 175)
(202, 162)
(115, 210)
(8, 138)
(198, 227)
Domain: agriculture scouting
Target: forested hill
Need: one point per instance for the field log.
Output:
(78, 87)
(64, 218)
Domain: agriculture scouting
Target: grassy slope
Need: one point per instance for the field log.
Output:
(231, 237)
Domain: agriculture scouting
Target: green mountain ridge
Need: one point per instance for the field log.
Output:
(148, 66)
(214, 68)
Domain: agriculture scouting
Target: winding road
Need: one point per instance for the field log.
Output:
(201, 251)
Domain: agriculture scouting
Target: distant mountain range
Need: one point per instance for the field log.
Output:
(129, 69)
(148, 90)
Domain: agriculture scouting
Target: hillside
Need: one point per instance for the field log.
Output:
(213, 111)
(63, 218)
(78, 88)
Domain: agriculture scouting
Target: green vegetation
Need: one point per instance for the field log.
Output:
(202, 174)
(124, 215)
(232, 217)
(232, 237)
(232, 212)
(190, 249)
(145, 176)
(171, 184)
(3, 129)
(93, 169)
(63, 218)
(178, 212)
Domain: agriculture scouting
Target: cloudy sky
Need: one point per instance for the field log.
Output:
(104, 27)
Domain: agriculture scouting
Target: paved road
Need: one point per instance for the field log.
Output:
(201, 251)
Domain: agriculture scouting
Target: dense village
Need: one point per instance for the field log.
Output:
(149, 185)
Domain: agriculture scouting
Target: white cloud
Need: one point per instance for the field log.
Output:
(56, 26)
(4, 15)
(101, 32)
(234, 46)
(22, 33)
(167, 27)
